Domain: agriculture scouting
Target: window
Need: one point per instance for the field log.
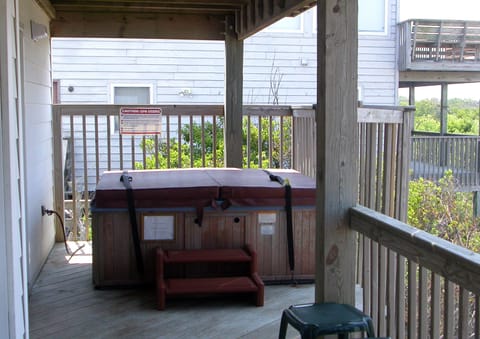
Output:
(372, 16)
(129, 95)
(126, 95)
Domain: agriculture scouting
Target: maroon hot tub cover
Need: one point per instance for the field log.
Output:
(199, 188)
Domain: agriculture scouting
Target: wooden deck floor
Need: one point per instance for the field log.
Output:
(64, 304)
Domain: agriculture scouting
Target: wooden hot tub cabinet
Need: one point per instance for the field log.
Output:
(234, 207)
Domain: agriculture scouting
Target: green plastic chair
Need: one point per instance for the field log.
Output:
(313, 320)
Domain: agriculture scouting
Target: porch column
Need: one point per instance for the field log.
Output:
(337, 140)
(233, 96)
(443, 109)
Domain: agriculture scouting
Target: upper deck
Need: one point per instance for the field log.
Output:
(439, 45)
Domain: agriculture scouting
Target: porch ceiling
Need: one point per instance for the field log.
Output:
(174, 19)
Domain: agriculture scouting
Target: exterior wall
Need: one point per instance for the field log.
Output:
(37, 135)
(91, 67)
(377, 62)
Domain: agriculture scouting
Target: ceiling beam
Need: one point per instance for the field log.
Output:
(138, 25)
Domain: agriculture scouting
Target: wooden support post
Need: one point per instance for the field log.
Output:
(443, 109)
(337, 139)
(233, 95)
(476, 204)
(443, 122)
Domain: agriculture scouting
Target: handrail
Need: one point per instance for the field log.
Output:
(454, 262)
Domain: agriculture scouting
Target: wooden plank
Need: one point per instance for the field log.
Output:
(337, 175)
(58, 170)
(233, 97)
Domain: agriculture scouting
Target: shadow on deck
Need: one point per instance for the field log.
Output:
(64, 304)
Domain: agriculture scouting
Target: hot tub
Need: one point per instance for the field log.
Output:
(202, 209)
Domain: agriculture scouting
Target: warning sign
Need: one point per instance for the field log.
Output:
(140, 120)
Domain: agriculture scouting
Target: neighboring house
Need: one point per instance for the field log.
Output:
(107, 71)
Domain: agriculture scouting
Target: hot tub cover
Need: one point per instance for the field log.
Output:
(203, 187)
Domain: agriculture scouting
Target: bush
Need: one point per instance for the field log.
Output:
(437, 208)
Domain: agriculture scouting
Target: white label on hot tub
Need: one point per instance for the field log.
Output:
(267, 229)
(267, 218)
(158, 227)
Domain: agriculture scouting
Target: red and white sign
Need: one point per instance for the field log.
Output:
(140, 120)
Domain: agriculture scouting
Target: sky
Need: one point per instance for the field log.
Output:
(443, 9)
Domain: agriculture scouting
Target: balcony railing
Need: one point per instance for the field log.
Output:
(439, 45)
(433, 155)
(416, 285)
(88, 142)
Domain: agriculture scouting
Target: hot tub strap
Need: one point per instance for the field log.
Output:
(126, 179)
(288, 212)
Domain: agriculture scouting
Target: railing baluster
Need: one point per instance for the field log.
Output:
(169, 164)
(413, 298)
(109, 143)
(449, 310)
(155, 151)
(132, 150)
(214, 140)
(85, 176)
(191, 141)
(74, 178)
(423, 304)
(476, 319)
(270, 142)
(249, 128)
(144, 153)
(382, 291)
(97, 160)
(179, 132)
(400, 298)
(391, 293)
(374, 282)
(463, 314)
(435, 306)
(260, 142)
(203, 140)
(281, 158)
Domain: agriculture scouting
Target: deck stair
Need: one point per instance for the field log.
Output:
(189, 272)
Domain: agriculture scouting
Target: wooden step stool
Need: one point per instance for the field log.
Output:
(246, 281)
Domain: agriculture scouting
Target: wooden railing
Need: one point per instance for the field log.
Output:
(414, 284)
(439, 45)
(433, 155)
(87, 143)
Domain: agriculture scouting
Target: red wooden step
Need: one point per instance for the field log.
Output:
(207, 255)
(210, 285)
